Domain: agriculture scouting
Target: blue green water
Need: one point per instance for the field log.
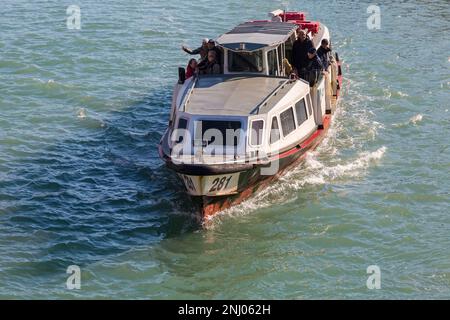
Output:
(82, 111)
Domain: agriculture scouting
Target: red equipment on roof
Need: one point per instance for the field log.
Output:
(293, 15)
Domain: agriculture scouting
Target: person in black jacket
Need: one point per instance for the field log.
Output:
(202, 51)
(314, 63)
(216, 49)
(300, 50)
(324, 53)
(313, 70)
(211, 66)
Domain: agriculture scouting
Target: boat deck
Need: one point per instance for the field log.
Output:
(231, 96)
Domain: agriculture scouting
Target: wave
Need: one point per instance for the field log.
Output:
(312, 172)
(414, 120)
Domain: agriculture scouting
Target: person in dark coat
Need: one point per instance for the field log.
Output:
(314, 63)
(211, 66)
(324, 53)
(216, 49)
(313, 70)
(300, 50)
(202, 51)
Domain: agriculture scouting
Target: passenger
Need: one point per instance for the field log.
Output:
(212, 66)
(192, 68)
(202, 51)
(300, 50)
(324, 53)
(314, 63)
(212, 46)
(313, 70)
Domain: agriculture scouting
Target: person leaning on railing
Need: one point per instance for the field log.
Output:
(313, 70)
(329, 63)
(192, 68)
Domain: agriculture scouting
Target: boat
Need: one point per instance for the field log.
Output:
(232, 134)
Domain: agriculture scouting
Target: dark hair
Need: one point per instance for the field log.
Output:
(190, 61)
(325, 41)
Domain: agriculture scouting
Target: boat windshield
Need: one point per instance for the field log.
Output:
(245, 61)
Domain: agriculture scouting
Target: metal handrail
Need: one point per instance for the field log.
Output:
(256, 109)
(186, 98)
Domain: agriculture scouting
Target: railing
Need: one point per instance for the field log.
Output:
(188, 95)
(274, 92)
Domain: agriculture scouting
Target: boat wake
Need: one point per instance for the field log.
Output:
(312, 172)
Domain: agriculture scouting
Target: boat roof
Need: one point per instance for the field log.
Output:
(233, 96)
(256, 34)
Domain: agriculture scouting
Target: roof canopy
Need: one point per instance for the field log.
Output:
(250, 36)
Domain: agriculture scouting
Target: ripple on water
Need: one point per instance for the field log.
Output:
(81, 182)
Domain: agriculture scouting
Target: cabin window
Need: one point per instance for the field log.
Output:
(245, 61)
(309, 104)
(289, 49)
(257, 132)
(300, 111)
(225, 133)
(287, 121)
(280, 58)
(272, 62)
(182, 125)
(274, 131)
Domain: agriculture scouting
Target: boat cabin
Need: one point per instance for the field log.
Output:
(258, 47)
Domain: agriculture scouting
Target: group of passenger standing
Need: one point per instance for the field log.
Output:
(209, 62)
(306, 58)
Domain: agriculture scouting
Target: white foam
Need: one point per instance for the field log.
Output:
(413, 120)
(313, 172)
(416, 118)
(81, 113)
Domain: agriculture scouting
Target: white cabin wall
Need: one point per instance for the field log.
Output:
(318, 101)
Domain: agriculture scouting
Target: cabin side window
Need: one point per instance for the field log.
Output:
(272, 62)
(289, 49)
(309, 104)
(274, 131)
(280, 59)
(182, 126)
(300, 111)
(245, 61)
(257, 132)
(287, 121)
